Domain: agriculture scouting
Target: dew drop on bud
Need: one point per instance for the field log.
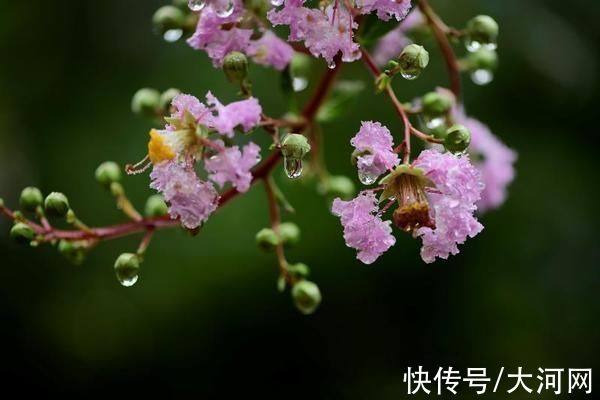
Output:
(126, 279)
(172, 35)
(276, 3)
(224, 8)
(482, 77)
(365, 178)
(331, 65)
(299, 84)
(293, 167)
(196, 5)
(433, 123)
(472, 45)
(410, 75)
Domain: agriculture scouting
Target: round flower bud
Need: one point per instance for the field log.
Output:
(72, 251)
(107, 173)
(266, 239)
(22, 233)
(31, 198)
(483, 59)
(156, 206)
(300, 65)
(289, 232)
(306, 296)
(413, 60)
(440, 131)
(457, 139)
(56, 204)
(482, 29)
(299, 270)
(145, 102)
(127, 268)
(166, 98)
(340, 186)
(436, 104)
(167, 18)
(235, 66)
(295, 146)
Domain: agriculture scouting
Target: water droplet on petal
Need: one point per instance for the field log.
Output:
(299, 84)
(276, 3)
(127, 278)
(293, 167)
(172, 35)
(331, 65)
(224, 8)
(482, 77)
(196, 5)
(366, 178)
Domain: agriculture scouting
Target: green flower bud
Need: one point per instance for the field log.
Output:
(440, 131)
(31, 198)
(306, 296)
(156, 206)
(289, 232)
(436, 104)
(167, 97)
(413, 60)
(299, 270)
(167, 18)
(22, 233)
(481, 30)
(145, 102)
(56, 204)
(457, 139)
(127, 268)
(485, 59)
(72, 251)
(382, 82)
(267, 239)
(300, 65)
(107, 173)
(235, 66)
(295, 146)
(340, 186)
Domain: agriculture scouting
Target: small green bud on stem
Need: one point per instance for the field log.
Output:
(457, 139)
(57, 204)
(22, 233)
(267, 239)
(167, 18)
(295, 146)
(339, 186)
(235, 66)
(31, 198)
(481, 30)
(166, 98)
(127, 268)
(156, 206)
(107, 173)
(289, 233)
(436, 104)
(306, 296)
(146, 102)
(412, 61)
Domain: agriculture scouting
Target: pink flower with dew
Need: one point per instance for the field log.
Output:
(245, 113)
(190, 199)
(297, 17)
(183, 103)
(392, 43)
(374, 144)
(233, 165)
(458, 188)
(271, 50)
(385, 9)
(363, 229)
(492, 158)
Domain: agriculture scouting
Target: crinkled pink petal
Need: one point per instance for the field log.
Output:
(233, 165)
(377, 140)
(245, 113)
(363, 229)
(183, 103)
(271, 50)
(190, 199)
(385, 9)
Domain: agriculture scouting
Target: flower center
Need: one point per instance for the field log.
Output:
(413, 208)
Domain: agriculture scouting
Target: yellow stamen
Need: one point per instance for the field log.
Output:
(158, 149)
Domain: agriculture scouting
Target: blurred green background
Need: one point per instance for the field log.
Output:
(205, 318)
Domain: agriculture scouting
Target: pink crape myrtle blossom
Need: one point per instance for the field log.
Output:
(374, 145)
(245, 113)
(391, 44)
(271, 50)
(363, 229)
(385, 9)
(233, 165)
(190, 199)
(493, 159)
(458, 188)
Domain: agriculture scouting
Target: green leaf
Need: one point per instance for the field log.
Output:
(341, 100)
(372, 28)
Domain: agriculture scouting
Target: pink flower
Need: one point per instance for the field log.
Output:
(190, 199)
(183, 103)
(495, 162)
(363, 229)
(458, 188)
(271, 50)
(391, 44)
(374, 143)
(245, 113)
(296, 16)
(233, 165)
(385, 8)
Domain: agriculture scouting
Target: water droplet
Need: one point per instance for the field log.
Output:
(433, 123)
(293, 167)
(491, 46)
(482, 77)
(472, 45)
(365, 178)
(331, 65)
(196, 5)
(173, 35)
(127, 277)
(224, 8)
(299, 84)
(410, 75)
(276, 3)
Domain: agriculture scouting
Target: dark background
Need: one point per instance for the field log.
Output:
(205, 317)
